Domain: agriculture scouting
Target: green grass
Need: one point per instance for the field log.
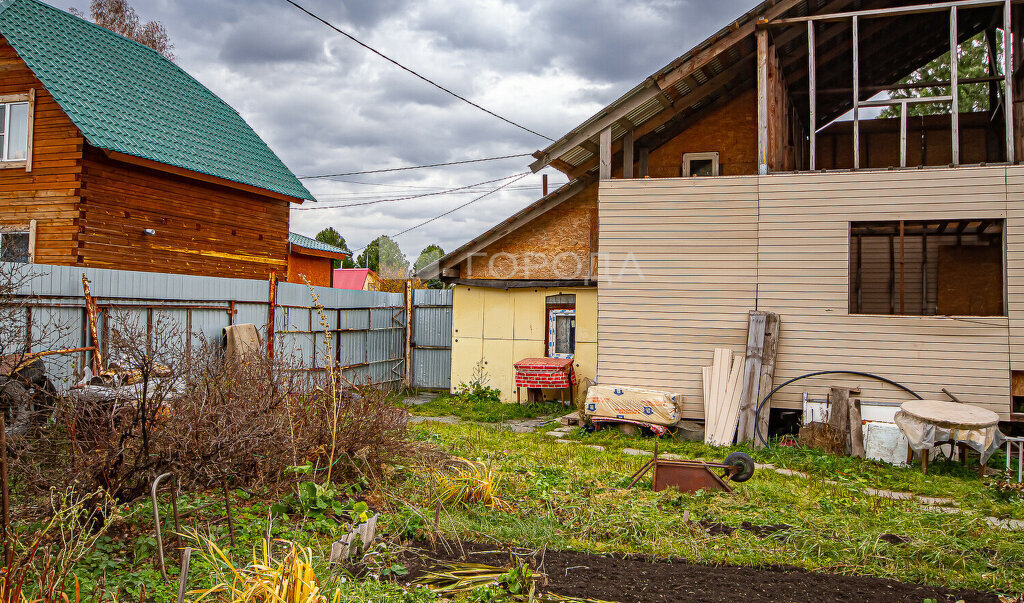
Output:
(485, 410)
(569, 496)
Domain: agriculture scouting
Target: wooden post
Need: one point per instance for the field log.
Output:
(544, 184)
(762, 101)
(769, 352)
(1009, 63)
(5, 494)
(627, 154)
(839, 413)
(271, 314)
(954, 78)
(605, 152)
(856, 93)
(751, 376)
(812, 76)
(903, 134)
(644, 168)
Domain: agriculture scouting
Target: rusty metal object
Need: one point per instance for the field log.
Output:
(688, 476)
(156, 520)
(90, 307)
(271, 315)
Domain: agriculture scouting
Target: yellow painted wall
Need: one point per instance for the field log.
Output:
(503, 326)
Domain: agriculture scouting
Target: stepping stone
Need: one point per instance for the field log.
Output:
(595, 447)
(555, 434)
(566, 441)
(522, 429)
(635, 452)
(566, 429)
(889, 494)
(671, 457)
(764, 466)
(791, 472)
(936, 502)
(948, 510)
(1005, 524)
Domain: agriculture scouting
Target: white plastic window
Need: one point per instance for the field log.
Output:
(13, 131)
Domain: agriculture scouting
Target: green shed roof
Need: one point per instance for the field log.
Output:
(128, 98)
(302, 241)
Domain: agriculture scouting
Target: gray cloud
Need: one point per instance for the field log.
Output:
(325, 105)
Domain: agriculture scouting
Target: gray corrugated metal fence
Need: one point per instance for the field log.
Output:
(432, 339)
(367, 329)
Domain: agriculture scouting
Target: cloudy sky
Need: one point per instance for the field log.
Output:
(326, 105)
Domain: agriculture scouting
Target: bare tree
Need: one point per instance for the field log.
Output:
(120, 17)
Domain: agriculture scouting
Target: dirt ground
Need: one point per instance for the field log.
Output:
(639, 579)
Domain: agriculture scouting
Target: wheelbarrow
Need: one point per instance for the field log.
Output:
(691, 476)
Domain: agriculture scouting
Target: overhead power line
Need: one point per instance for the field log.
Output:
(419, 196)
(517, 178)
(416, 167)
(425, 79)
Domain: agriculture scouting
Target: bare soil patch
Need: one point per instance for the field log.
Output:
(635, 579)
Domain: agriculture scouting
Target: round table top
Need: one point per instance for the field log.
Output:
(952, 414)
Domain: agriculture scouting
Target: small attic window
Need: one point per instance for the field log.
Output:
(13, 131)
(700, 165)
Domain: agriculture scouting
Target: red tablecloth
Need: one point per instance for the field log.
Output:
(545, 373)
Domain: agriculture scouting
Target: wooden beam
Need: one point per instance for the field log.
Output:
(627, 155)
(31, 128)
(762, 101)
(954, 77)
(644, 154)
(605, 167)
(892, 11)
(856, 93)
(812, 71)
(1009, 65)
(177, 171)
(751, 376)
(769, 353)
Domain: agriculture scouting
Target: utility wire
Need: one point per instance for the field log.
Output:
(517, 178)
(419, 196)
(397, 64)
(416, 167)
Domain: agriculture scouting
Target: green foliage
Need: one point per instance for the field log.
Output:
(384, 257)
(430, 254)
(1006, 486)
(973, 63)
(476, 400)
(333, 237)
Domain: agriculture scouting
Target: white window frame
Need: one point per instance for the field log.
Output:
(552, 322)
(689, 158)
(7, 131)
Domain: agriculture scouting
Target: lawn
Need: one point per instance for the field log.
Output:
(485, 409)
(565, 495)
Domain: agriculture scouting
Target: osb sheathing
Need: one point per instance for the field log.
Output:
(730, 130)
(556, 245)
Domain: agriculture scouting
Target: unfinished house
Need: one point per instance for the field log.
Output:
(311, 261)
(786, 165)
(111, 156)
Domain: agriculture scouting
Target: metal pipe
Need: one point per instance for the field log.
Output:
(156, 520)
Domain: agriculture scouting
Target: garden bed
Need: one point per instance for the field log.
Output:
(629, 578)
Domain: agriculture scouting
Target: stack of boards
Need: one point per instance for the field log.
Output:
(722, 389)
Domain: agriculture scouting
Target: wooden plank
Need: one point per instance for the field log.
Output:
(769, 354)
(605, 167)
(812, 77)
(954, 70)
(839, 413)
(856, 429)
(751, 376)
(31, 126)
(731, 403)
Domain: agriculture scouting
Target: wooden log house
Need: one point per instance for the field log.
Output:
(114, 157)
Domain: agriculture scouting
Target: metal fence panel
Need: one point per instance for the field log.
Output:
(432, 338)
(366, 329)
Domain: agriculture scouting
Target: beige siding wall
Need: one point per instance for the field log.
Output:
(694, 244)
(781, 243)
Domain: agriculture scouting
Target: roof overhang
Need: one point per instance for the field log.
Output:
(319, 253)
(177, 171)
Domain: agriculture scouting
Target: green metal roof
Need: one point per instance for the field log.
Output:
(296, 239)
(128, 98)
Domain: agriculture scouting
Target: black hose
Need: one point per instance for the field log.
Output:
(757, 411)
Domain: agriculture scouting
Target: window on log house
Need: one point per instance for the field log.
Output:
(14, 246)
(927, 267)
(13, 131)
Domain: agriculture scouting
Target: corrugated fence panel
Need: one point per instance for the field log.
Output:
(432, 338)
(366, 329)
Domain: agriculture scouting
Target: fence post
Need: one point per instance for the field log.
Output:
(408, 333)
(271, 311)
